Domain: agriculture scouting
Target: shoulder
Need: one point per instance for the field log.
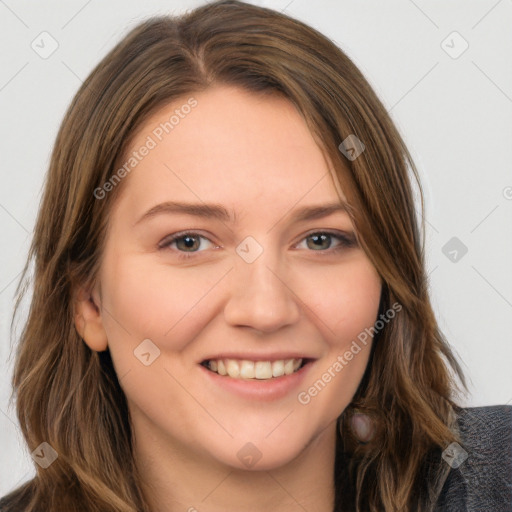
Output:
(480, 478)
(18, 499)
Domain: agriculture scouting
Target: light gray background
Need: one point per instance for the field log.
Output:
(455, 115)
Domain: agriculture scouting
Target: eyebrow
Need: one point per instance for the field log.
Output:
(219, 212)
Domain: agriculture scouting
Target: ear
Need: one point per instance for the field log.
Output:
(88, 320)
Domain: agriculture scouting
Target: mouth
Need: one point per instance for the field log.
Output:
(244, 369)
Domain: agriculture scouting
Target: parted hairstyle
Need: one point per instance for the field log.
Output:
(69, 395)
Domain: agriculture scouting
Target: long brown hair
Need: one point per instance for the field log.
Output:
(70, 397)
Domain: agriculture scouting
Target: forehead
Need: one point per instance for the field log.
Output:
(231, 146)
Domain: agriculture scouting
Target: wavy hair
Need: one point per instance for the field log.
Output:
(69, 396)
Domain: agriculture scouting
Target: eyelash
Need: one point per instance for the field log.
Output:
(346, 242)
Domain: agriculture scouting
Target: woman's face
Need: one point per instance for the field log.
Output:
(253, 278)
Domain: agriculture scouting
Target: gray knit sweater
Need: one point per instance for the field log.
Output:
(480, 475)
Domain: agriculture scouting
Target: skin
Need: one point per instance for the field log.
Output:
(255, 155)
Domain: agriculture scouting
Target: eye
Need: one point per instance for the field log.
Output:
(184, 242)
(321, 241)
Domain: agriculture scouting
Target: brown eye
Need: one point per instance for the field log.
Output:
(188, 242)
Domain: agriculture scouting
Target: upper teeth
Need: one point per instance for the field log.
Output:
(243, 369)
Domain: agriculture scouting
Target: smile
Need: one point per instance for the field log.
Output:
(258, 370)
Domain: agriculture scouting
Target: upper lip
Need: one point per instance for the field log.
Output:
(274, 356)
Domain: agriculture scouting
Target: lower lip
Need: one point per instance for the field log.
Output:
(264, 390)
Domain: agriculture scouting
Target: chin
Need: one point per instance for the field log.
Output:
(258, 455)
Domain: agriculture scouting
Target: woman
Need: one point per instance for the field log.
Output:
(230, 305)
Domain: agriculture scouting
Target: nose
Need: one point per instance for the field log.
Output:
(261, 295)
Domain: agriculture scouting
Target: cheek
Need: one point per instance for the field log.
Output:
(152, 300)
(345, 299)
